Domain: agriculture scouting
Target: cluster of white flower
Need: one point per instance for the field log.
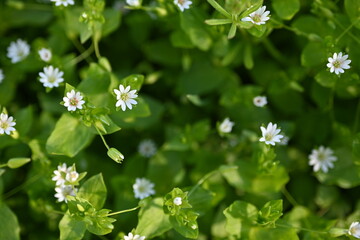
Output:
(143, 188)
(130, 236)
(51, 77)
(147, 148)
(64, 178)
(73, 100)
(6, 124)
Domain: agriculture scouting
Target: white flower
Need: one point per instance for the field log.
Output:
(284, 141)
(270, 135)
(147, 148)
(130, 236)
(60, 174)
(258, 17)
(72, 176)
(45, 54)
(63, 191)
(177, 201)
(143, 188)
(6, 124)
(260, 101)
(133, 3)
(51, 77)
(338, 63)
(125, 97)
(183, 4)
(226, 126)
(65, 3)
(322, 158)
(18, 50)
(73, 100)
(2, 76)
(354, 230)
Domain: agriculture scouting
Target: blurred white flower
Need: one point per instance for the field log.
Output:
(284, 141)
(143, 188)
(51, 77)
(72, 176)
(260, 101)
(60, 174)
(18, 50)
(6, 124)
(147, 148)
(338, 63)
(73, 100)
(45, 54)
(322, 158)
(133, 3)
(63, 191)
(125, 97)
(258, 17)
(130, 236)
(2, 76)
(183, 4)
(226, 126)
(65, 3)
(354, 230)
(177, 201)
(270, 135)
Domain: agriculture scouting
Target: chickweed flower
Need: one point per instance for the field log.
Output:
(2, 76)
(51, 77)
(260, 101)
(338, 63)
(60, 174)
(73, 100)
(125, 97)
(45, 54)
(130, 236)
(6, 124)
(133, 3)
(258, 17)
(143, 188)
(147, 148)
(72, 176)
(354, 230)
(183, 4)
(17, 51)
(270, 135)
(63, 191)
(65, 3)
(322, 158)
(177, 201)
(226, 126)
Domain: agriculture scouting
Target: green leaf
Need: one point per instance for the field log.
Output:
(352, 8)
(326, 78)
(219, 8)
(135, 81)
(100, 223)
(186, 224)
(112, 21)
(248, 57)
(69, 137)
(270, 212)
(17, 162)
(71, 228)
(314, 54)
(273, 234)
(215, 22)
(232, 31)
(9, 226)
(96, 80)
(94, 190)
(286, 9)
(24, 119)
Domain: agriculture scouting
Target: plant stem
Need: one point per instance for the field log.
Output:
(347, 30)
(82, 56)
(18, 188)
(289, 197)
(3, 165)
(102, 138)
(123, 211)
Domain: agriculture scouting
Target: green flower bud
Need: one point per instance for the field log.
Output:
(115, 155)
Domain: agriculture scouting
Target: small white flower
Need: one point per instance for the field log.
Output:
(63, 191)
(258, 17)
(143, 188)
(133, 3)
(284, 141)
(73, 100)
(177, 201)
(130, 236)
(125, 97)
(322, 158)
(338, 63)
(6, 124)
(60, 174)
(72, 176)
(51, 77)
(65, 3)
(260, 101)
(183, 4)
(354, 230)
(270, 135)
(18, 50)
(2, 76)
(226, 126)
(45, 54)
(147, 148)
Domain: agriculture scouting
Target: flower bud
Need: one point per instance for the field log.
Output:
(115, 155)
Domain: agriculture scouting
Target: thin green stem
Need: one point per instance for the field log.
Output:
(3, 165)
(289, 197)
(357, 117)
(346, 30)
(123, 211)
(300, 228)
(102, 137)
(20, 187)
(81, 49)
(273, 51)
(82, 56)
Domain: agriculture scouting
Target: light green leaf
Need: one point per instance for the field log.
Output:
(9, 226)
(286, 9)
(17, 162)
(186, 224)
(326, 78)
(71, 228)
(270, 212)
(94, 190)
(218, 21)
(273, 234)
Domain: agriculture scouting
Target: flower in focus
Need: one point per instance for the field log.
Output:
(72, 176)
(322, 158)
(147, 148)
(183, 4)
(260, 101)
(130, 236)
(45, 54)
(60, 174)
(143, 188)
(18, 50)
(178, 201)
(73, 100)
(51, 77)
(354, 230)
(2, 76)
(6, 124)
(65, 3)
(270, 135)
(258, 17)
(125, 97)
(338, 63)
(226, 126)
(133, 3)
(63, 191)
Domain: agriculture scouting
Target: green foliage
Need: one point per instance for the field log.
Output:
(9, 225)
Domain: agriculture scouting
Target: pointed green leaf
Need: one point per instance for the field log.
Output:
(94, 191)
(9, 226)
